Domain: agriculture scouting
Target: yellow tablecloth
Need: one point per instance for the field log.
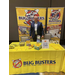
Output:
(25, 60)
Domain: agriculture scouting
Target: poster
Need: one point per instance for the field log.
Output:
(25, 18)
(54, 22)
(45, 44)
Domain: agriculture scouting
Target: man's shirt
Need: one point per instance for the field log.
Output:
(35, 28)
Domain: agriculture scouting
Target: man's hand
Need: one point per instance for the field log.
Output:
(30, 36)
(42, 36)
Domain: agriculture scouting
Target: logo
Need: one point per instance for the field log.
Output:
(45, 41)
(29, 16)
(17, 63)
(55, 15)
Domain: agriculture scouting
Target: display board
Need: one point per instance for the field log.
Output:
(54, 22)
(25, 17)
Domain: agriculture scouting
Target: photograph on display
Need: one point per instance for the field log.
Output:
(23, 30)
(55, 31)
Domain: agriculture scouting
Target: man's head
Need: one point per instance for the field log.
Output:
(35, 18)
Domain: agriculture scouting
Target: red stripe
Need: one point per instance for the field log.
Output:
(17, 63)
(29, 12)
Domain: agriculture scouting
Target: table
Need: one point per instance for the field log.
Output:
(24, 60)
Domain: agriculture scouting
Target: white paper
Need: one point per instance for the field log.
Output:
(53, 32)
(45, 44)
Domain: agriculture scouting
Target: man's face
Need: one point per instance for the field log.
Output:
(35, 18)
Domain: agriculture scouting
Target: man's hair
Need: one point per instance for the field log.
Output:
(35, 16)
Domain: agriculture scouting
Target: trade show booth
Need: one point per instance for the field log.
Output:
(44, 55)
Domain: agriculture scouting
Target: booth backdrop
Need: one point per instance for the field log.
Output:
(25, 18)
(54, 22)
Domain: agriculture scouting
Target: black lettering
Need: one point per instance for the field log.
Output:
(39, 62)
(25, 63)
(47, 61)
(26, 18)
(23, 18)
(40, 17)
(43, 18)
(20, 17)
(32, 62)
(29, 62)
(49, 21)
(36, 62)
(50, 61)
(54, 62)
(42, 62)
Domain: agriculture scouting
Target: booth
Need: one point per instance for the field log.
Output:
(33, 57)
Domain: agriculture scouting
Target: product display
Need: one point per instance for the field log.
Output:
(22, 43)
(30, 47)
(37, 46)
(38, 38)
(11, 46)
(28, 42)
(16, 45)
(55, 42)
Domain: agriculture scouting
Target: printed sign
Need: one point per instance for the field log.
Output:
(45, 43)
(54, 22)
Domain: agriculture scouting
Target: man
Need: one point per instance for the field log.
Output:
(36, 29)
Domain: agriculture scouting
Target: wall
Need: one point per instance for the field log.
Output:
(13, 27)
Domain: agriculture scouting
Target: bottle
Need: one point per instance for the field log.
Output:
(38, 38)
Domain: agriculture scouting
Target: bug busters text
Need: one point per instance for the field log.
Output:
(39, 62)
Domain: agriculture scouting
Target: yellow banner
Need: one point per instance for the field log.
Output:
(55, 16)
(25, 15)
(54, 22)
(25, 18)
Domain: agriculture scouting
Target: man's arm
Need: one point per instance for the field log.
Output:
(42, 29)
(31, 30)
